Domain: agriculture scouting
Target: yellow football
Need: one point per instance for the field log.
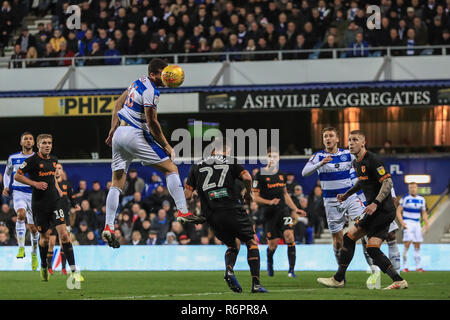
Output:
(172, 76)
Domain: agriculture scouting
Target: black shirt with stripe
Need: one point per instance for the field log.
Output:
(270, 185)
(214, 179)
(371, 172)
(42, 169)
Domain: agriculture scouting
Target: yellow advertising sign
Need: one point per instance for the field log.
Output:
(79, 105)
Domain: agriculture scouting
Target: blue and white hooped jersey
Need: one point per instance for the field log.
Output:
(336, 176)
(413, 207)
(14, 162)
(142, 94)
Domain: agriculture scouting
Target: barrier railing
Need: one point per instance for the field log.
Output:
(258, 55)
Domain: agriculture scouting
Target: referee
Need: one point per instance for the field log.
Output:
(376, 183)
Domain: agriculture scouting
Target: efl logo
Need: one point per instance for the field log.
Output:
(74, 21)
(374, 21)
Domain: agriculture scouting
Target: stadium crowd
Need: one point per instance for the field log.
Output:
(147, 215)
(129, 27)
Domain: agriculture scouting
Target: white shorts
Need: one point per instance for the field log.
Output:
(393, 226)
(413, 231)
(22, 200)
(129, 143)
(337, 215)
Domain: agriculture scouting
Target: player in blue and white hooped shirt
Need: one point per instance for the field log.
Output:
(336, 174)
(411, 208)
(21, 195)
(136, 134)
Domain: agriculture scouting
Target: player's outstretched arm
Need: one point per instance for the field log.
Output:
(7, 177)
(385, 190)
(425, 218)
(399, 212)
(352, 190)
(247, 179)
(291, 204)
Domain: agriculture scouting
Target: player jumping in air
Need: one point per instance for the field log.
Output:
(376, 184)
(411, 208)
(21, 194)
(67, 201)
(269, 188)
(136, 134)
(214, 179)
(337, 175)
(45, 203)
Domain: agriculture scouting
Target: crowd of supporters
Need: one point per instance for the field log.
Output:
(147, 215)
(131, 27)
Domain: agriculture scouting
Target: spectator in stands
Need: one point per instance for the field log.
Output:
(81, 192)
(387, 148)
(195, 232)
(153, 238)
(133, 184)
(154, 202)
(350, 34)
(330, 44)
(136, 238)
(394, 41)
(297, 195)
(8, 217)
(154, 47)
(359, 48)
(81, 235)
(85, 214)
(161, 223)
(96, 196)
(410, 42)
(26, 40)
(100, 217)
(316, 209)
(125, 224)
(103, 38)
(217, 46)
(16, 57)
(184, 239)
(435, 31)
(56, 40)
(171, 239)
(64, 53)
(291, 183)
(300, 228)
(421, 31)
(5, 240)
(233, 46)
(282, 45)
(112, 52)
(251, 47)
(119, 236)
(177, 228)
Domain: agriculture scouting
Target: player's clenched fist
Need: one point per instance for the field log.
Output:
(327, 159)
(341, 197)
(41, 185)
(274, 201)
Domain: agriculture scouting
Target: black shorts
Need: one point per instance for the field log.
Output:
(377, 224)
(47, 216)
(276, 220)
(228, 225)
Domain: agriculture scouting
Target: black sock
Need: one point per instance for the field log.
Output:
(68, 250)
(270, 256)
(253, 262)
(345, 257)
(49, 258)
(63, 260)
(291, 255)
(43, 253)
(383, 263)
(230, 258)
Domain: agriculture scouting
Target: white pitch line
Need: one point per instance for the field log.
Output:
(186, 295)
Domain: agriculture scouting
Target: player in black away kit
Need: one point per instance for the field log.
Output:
(45, 203)
(270, 192)
(214, 179)
(66, 202)
(376, 183)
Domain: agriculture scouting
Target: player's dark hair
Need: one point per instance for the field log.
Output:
(26, 133)
(358, 132)
(330, 129)
(43, 136)
(155, 65)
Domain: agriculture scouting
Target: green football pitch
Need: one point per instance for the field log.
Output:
(206, 285)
